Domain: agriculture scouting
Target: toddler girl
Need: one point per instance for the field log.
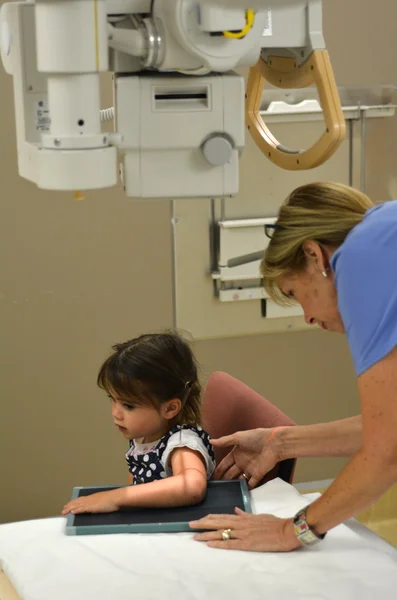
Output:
(155, 394)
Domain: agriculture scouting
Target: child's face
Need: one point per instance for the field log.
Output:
(138, 421)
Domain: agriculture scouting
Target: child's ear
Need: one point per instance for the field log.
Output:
(171, 409)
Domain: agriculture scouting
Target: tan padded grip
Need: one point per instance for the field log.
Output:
(284, 73)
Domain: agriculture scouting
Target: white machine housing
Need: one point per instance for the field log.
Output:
(179, 110)
(56, 94)
(201, 138)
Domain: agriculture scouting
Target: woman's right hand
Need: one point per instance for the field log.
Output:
(252, 456)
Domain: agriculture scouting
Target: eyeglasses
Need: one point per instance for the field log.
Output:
(270, 229)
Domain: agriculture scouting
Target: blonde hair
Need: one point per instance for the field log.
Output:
(322, 212)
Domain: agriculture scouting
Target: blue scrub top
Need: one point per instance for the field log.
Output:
(365, 268)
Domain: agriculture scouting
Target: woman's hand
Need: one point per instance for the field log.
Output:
(253, 533)
(252, 456)
(102, 502)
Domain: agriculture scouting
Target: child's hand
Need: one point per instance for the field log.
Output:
(101, 502)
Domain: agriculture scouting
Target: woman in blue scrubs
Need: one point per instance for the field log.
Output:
(335, 253)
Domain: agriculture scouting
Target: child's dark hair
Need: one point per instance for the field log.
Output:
(152, 369)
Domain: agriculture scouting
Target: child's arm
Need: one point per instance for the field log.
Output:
(187, 485)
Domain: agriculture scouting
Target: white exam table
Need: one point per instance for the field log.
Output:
(44, 564)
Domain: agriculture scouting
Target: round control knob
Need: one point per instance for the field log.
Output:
(217, 149)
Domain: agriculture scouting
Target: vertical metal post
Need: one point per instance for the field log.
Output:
(174, 222)
(351, 133)
(363, 136)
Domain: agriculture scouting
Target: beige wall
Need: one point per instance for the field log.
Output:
(77, 277)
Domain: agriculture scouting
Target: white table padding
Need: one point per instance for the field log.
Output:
(44, 564)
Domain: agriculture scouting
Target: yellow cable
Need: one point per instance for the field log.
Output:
(238, 35)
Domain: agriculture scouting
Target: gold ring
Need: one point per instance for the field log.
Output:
(226, 534)
(245, 477)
